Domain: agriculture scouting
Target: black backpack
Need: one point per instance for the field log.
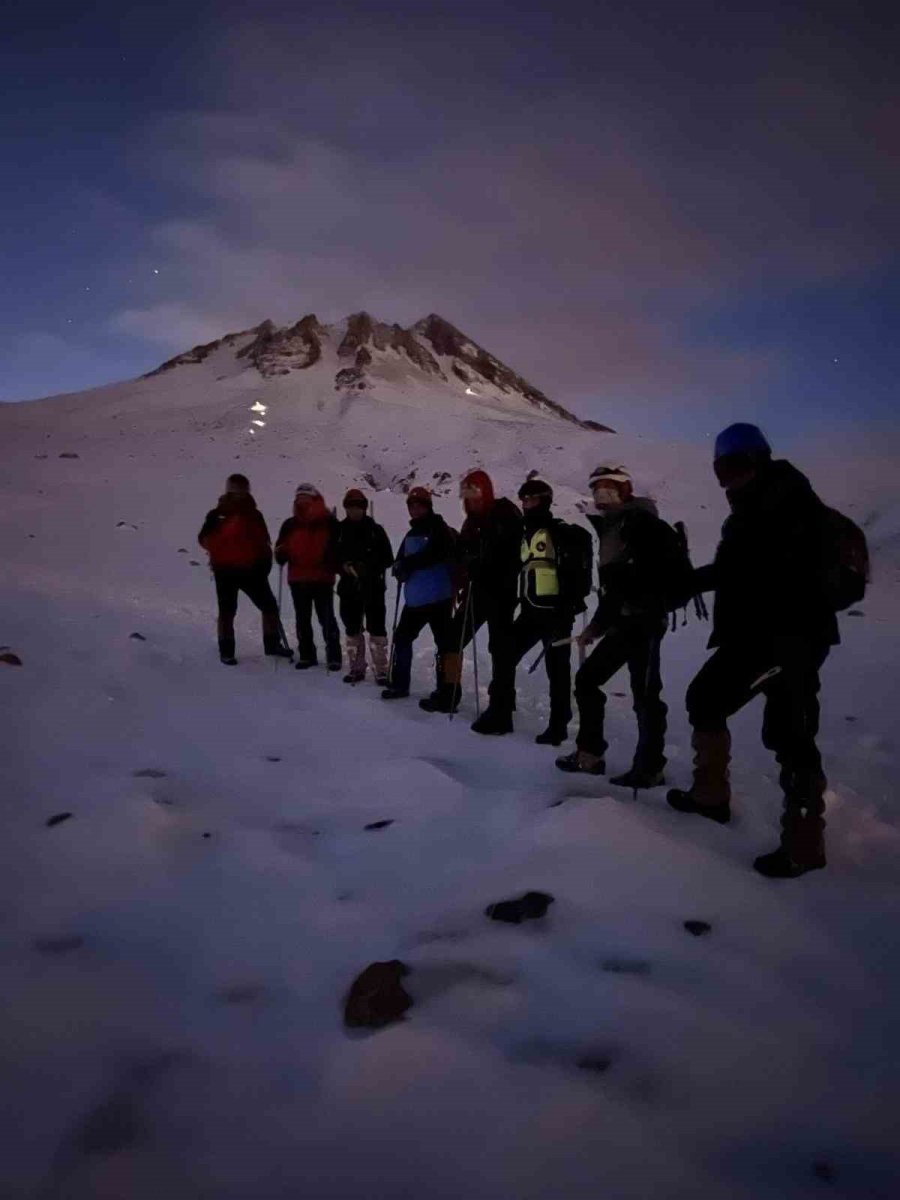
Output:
(678, 576)
(574, 563)
(846, 560)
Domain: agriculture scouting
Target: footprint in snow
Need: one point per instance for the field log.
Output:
(698, 928)
(58, 945)
(625, 966)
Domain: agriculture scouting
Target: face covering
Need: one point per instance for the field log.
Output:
(607, 497)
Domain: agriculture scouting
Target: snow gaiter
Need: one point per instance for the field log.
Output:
(803, 821)
(378, 652)
(712, 754)
(225, 628)
(356, 655)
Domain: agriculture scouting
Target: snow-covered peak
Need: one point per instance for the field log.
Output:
(362, 353)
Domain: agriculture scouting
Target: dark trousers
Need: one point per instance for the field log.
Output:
(320, 596)
(788, 678)
(637, 647)
(534, 627)
(498, 614)
(412, 621)
(253, 582)
(362, 606)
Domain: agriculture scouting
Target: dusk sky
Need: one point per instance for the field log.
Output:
(663, 215)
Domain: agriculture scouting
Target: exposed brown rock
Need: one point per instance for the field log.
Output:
(377, 997)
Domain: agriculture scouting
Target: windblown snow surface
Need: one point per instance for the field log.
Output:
(175, 953)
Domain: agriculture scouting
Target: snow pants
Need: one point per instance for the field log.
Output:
(318, 596)
(635, 645)
(534, 627)
(254, 583)
(788, 678)
(362, 607)
(498, 613)
(412, 621)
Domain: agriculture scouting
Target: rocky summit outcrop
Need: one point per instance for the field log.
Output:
(364, 348)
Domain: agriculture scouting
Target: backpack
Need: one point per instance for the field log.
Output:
(846, 560)
(574, 562)
(678, 575)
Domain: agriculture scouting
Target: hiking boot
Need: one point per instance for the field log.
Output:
(335, 666)
(276, 650)
(303, 664)
(228, 660)
(552, 736)
(394, 693)
(355, 676)
(226, 651)
(780, 865)
(686, 802)
(382, 680)
(444, 699)
(492, 722)
(636, 779)
(580, 762)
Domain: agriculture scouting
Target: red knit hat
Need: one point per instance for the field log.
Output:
(419, 495)
(355, 499)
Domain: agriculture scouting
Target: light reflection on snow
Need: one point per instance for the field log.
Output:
(259, 423)
(471, 392)
(257, 407)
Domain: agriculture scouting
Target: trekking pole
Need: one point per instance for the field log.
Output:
(462, 642)
(282, 635)
(394, 633)
(540, 658)
(475, 663)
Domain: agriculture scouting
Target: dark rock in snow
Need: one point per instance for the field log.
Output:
(378, 824)
(69, 454)
(149, 773)
(138, 637)
(849, 718)
(626, 966)
(377, 997)
(824, 1171)
(11, 660)
(594, 1062)
(193, 562)
(57, 819)
(112, 1126)
(526, 908)
(58, 945)
(182, 550)
(697, 928)
(272, 758)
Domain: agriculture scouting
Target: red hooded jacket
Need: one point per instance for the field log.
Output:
(307, 542)
(235, 536)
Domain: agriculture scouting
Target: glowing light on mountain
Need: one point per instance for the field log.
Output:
(259, 423)
(257, 407)
(471, 392)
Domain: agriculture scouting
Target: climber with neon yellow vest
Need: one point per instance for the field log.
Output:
(556, 566)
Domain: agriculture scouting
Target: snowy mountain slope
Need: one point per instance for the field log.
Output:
(176, 951)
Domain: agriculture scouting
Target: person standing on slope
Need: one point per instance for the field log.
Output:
(550, 593)
(773, 626)
(236, 538)
(307, 543)
(635, 547)
(364, 553)
(488, 552)
(424, 567)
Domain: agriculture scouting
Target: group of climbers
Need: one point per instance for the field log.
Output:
(785, 564)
